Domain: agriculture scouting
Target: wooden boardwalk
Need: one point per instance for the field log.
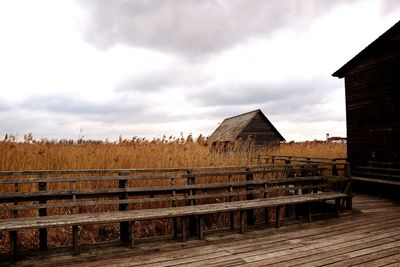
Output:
(370, 236)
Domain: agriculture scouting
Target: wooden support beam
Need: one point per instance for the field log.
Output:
(174, 220)
(201, 227)
(191, 180)
(13, 234)
(242, 221)
(266, 215)
(123, 226)
(335, 171)
(250, 212)
(42, 212)
(266, 210)
(175, 227)
(75, 239)
(131, 233)
(231, 213)
(337, 206)
(349, 187)
(13, 243)
(232, 220)
(277, 216)
(184, 228)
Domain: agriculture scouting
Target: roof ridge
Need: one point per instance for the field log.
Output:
(255, 112)
(232, 127)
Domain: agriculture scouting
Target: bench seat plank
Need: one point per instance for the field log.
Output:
(149, 214)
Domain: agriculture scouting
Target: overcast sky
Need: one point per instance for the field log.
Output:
(149, 68)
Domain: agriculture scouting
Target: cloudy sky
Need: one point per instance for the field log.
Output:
(149, 68)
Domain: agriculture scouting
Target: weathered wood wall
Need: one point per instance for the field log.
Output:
(373, 105)
(260, 132)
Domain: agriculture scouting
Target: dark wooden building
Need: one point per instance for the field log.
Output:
(252, 125)
(372, 84)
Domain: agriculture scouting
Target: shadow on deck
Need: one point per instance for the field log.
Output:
(370, 235)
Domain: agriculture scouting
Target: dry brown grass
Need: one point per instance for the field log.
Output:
(145, 154)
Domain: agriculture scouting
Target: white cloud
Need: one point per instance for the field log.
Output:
(151, 79)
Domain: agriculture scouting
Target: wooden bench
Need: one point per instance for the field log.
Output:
(186, 194)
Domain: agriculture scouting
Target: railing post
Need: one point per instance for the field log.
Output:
(334, 168)
(75, 228)
(13, 234)
(250, 212)
(231, 213)
(191, 180)
(174, 220)
(289, 168)
(42, 212)
(349, 187)
(277, 216)
(266, 210)
(312, 171)
(123, 226)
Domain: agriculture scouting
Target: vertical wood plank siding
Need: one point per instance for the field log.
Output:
(373, 108)
(372, 82)
(260, 132)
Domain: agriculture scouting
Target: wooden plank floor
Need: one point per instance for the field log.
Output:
(370, 236)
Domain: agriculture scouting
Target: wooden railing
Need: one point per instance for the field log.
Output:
(334, 166)
(57, 192)
(377, 172)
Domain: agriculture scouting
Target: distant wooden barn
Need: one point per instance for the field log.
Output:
(252, 125)
(372, 84)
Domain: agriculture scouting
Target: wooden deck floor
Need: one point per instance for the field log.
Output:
(370, 236)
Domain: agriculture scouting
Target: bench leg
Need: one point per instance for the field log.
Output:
(337, 206)
(309, 213)
(192, 225)
(242, 221)
(75, 239)
(277, 216)
(266, 215)
(232, 219)
(43, 238)
(201, 227)
(175, 227)
(124, 231)
(349, 203)
(13, 243)
(131, 232)
(184, 229)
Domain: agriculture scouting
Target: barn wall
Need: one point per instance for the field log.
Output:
(373, 106)
(260, 132)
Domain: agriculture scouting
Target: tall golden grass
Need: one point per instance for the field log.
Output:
(141, 153)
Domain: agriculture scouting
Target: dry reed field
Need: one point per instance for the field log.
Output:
(140, 153)
(137, 153)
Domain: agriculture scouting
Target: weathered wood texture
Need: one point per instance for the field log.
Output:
(372, 83)
(196, 195)
(367, 237)
(150, 214)
(260, 132)
(252, 125)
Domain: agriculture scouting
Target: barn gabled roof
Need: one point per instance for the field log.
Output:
(395, 29)
(232, 127)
